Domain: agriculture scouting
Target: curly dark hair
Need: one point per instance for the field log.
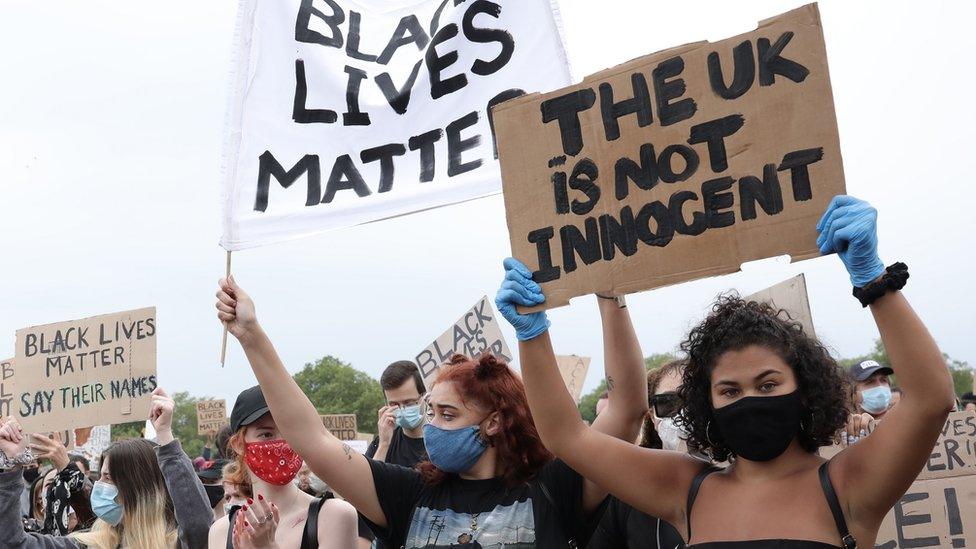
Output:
(735, 324)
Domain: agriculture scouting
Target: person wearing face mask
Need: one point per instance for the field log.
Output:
(211, 476)
(622, 526)
(489, 480)
(401, 421)
(147, 495)
(235, 493)
(277, 514)
(761, 393)
(872, 386)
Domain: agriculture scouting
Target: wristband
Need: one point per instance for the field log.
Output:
(894, 279)
(25, 458)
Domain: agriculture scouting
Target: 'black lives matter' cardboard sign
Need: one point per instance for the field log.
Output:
(939, 510)
(675, 166)
(96, 371)
(475, 332)
(342, 426)
(211, 416)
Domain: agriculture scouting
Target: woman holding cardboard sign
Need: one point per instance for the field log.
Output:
(146, 497)
(760, 392)
(489, 480)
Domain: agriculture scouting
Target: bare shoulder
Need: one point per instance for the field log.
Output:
(217, 539)
(337, 509)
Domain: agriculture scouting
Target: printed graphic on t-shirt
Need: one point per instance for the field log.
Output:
(509, 526)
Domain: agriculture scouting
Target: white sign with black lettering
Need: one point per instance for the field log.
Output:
(349, 111)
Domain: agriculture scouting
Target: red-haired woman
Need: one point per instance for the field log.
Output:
(277, 513)
(489, 481)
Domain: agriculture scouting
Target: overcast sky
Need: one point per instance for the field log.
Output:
(111, 118)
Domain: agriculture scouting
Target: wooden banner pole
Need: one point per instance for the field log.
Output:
(223, 343)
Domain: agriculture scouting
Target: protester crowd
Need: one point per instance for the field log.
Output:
(717, 449)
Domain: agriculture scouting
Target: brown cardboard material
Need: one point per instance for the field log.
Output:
(7, 403)
(476, 331)
(939, 509)
(564, 202)
(95, 371)
(211, 416)
(342, 426)
(791, 296)
(573, 369)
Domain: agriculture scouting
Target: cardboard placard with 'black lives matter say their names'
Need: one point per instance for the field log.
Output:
(95, 371)
(675, 166)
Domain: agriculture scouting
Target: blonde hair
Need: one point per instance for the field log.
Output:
(148, 520)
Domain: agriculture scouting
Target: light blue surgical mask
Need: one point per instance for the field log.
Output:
(409, 417)
(455, 450)
(876, 399)
(103, 502)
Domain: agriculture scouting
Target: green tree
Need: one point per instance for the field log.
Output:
(185, 423)
(587, 405)
(962, 374)
(335, 387)
(124, 431)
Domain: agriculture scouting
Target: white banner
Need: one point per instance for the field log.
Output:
(349, 111)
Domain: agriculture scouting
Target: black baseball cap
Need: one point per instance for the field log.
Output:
(248, 408)
(867, 368)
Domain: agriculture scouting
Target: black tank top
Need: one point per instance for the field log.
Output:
(310, 534)
(847, 540)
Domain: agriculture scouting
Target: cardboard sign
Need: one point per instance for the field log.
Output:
(211, 416)
(99, 439)
(791, 296)
(939, 510)
(573, 369)
(349, 111)
(342, 426)
(95, 371)
(6, 387)
(476, 331)
(676, 166)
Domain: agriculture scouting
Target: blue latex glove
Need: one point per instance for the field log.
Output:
(518, 288)
(849, 227)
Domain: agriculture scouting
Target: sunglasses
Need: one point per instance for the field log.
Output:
(666, 404)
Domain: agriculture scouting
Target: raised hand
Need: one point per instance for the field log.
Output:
(386, 423)
(161, 415)
(13, 440)
(256, 524)
(236, 309)
(849, 227)
(50, 447)
(518, 288)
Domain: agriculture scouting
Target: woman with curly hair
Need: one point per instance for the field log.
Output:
(763, 394)
(489, 481)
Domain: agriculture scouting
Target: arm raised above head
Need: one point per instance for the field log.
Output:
(661, 485)
(336, 463)
(870, 475)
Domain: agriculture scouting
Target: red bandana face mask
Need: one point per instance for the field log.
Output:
(273, 461)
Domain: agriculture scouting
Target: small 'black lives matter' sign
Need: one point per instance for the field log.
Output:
(675, 166)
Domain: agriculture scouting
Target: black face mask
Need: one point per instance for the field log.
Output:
(215, 493)
(30, 474)
(760, 428)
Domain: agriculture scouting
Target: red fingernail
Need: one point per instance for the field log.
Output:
(260, 497)
(244, 508)
(246, 524)
(250, 501)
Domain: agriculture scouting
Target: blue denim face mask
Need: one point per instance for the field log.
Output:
(103, 502)
(409, 417)
(876, 399)
(456, 450)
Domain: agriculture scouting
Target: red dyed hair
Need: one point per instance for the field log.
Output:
(491, 384)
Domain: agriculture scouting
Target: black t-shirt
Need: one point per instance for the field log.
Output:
(479, 513)
(623, 527)
(405, 451)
